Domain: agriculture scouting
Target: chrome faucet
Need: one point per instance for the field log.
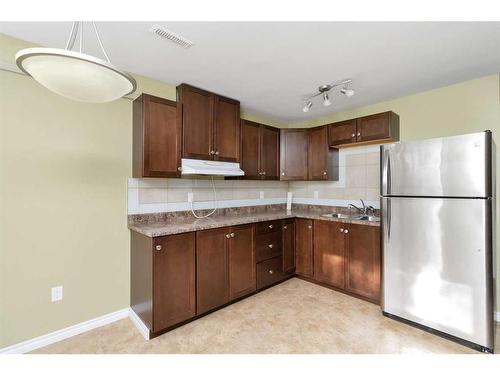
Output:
(363, 210)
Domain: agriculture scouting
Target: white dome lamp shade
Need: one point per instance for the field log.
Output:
(76, 75)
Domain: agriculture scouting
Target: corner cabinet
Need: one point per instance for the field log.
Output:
(259, 151)
(210, 125)
(156, 145)
(323, 161)
(294, 145)
(377, 128)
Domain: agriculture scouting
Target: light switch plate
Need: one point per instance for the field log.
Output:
(316, 194)
(190, 197)
(57, 293)
(261, 195)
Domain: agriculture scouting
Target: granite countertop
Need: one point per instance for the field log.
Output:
(162, 224)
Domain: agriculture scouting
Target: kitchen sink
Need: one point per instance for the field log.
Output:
(337, 216)
(366, 218)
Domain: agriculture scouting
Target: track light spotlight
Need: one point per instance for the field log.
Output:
(308, 106)
(347, 92)
(326, 101)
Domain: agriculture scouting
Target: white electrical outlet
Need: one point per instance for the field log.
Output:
(316, 194)
(57, 293)
(261, 195)
(190, 197)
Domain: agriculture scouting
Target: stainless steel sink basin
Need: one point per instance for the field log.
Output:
(366, 218)
(337, 216)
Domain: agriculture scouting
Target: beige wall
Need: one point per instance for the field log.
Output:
(466, 107)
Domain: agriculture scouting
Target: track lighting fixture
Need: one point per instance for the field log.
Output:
(307, 106)
(323, 90)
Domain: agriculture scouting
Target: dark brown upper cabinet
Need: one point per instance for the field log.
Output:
(156, 137)
(259, 151)
(294, 144)
(377, 128)
(210, 125)
(323, 161)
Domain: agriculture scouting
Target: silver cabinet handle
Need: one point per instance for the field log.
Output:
(232, 235)
(228, 235)
(346, 231)
(359, 134)
(353, 135)
(324, 173)
(342, 230)
(271, 272)
(158, 247)
(216, 152)
(264, 173)
(270, 245)
(285, 227)
(270, 226)
(282, 173)
(309, 226)
(212, 152)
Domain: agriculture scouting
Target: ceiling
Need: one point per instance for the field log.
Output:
(269, 67)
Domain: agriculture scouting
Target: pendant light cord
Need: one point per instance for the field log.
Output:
(74, 32)
(215, 204)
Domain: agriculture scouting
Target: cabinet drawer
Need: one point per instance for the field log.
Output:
(268, 246)
(269, 272)
(269, 226)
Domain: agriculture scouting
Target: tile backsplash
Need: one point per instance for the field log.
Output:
(358, 178)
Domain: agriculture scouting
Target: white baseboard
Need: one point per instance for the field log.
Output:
(139, 324)
(50, 338)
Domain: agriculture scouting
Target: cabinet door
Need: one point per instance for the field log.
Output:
(363, 261)
(304, 247)
(173, 280)
(342, 133)
(288, 244)
(293, 154)
(374, 127)
(250, 149)
(241, 261)
(318, 153)
(329, 252)
(196, 108)
(227, 130)
(156, 140)
(269, 156)
(211, 269)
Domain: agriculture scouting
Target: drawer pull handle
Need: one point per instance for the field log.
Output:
(342, 230)
(158, 247)
(228, 235)
(271, 272)
(232, 235)
(346, 231)
(285, 227)
(270, 245)
(270, 226)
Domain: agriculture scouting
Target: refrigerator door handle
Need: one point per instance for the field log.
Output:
(386, 172)
(389, 218)
(389, 177)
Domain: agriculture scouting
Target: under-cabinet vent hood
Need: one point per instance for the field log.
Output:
(212, 168)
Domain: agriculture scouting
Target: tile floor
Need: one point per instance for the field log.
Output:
(293, 317)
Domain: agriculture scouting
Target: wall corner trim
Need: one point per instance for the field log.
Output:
(59, 335)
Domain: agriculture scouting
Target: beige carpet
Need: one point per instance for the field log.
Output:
(293, 317)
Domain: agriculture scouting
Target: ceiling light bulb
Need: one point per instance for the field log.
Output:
(307, 107)
(347, 92)
(326, 101)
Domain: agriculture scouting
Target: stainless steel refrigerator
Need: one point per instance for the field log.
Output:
(437, 220)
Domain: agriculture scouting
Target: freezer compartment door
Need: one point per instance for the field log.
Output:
(458, 166)
(437, 265)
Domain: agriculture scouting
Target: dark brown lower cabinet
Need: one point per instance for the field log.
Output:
(329, 252)
(162, 290)
(363, 261)
(211, 269)
(225, 265)
(304, 247)
(241, 261)
(288, 244)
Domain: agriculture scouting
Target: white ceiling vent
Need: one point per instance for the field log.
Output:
(170, 35)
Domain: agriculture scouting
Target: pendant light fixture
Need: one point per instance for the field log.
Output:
(76, 75)
(324, 90)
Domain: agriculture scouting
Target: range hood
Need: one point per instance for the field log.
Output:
(211, 168)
